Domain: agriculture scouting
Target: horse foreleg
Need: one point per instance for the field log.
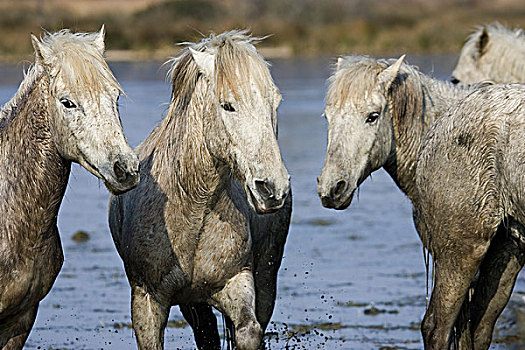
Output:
(456, 266)
(204, 324)
(462, 328)
(498, 272)
(268, 255)
(24, 324)
(149, 318)
(266, 268)
(237, 301)
(266, 291)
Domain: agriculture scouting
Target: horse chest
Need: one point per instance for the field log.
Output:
(27, 277)
(223, 250)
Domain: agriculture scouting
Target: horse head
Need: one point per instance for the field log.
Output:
(83, 109)
(360, 130)
(241, 117)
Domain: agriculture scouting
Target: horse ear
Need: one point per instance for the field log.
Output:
(99, 40)
(386, 77)
(42, 53)
(339, 62)
(205, 61)
(482, 42)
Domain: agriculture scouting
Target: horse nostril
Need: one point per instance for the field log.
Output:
(265, 188)
(338, 190)
(120, 171)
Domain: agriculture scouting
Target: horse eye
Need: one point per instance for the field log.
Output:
(454, 80)
(227, 107)
(372, 117)
(67, 103)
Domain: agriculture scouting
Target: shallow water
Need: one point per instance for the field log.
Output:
(352, 279)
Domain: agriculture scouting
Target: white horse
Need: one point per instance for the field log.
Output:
(378, 113)
(494, 53)
(470, 211)
(208, 222)
(64, 111)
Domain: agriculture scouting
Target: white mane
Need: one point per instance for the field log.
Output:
(237, 64)
(78, 60)
(73, 56)
(356, 76)
(509, 36)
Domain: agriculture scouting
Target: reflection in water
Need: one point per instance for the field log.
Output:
(350, 280)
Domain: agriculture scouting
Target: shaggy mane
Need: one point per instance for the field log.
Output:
(353, 78)
(79, 63)
(237, 65)
(514, 36)
(74, 57)
(356, 77)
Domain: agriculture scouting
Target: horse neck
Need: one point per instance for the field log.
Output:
(415, 104)
(180, 161)
(33, 187)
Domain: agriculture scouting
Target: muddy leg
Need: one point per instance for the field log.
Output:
(16, 343)
(498, 273)
(456, 266)
(462, 337)
(237, 301)
(149, 319)
(268, 255)
(25, 323)
(266, 289)
(204, 324)
(266, 270)
(265, 299)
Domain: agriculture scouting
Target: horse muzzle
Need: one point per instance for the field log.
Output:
(337, 196)
(266, 197)
(123, 174)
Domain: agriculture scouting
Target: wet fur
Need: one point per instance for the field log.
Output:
(34, 177)
(493, 52)
(413, 104)
(469, 206)
(187, 234)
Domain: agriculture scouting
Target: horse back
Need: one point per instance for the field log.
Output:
(472, 161)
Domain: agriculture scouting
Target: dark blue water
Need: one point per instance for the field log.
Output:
(350, 280)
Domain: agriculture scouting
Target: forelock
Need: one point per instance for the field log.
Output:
(78, 62)
(354, 78)
(238, 64)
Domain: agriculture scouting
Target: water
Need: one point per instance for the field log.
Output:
(352, 279)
